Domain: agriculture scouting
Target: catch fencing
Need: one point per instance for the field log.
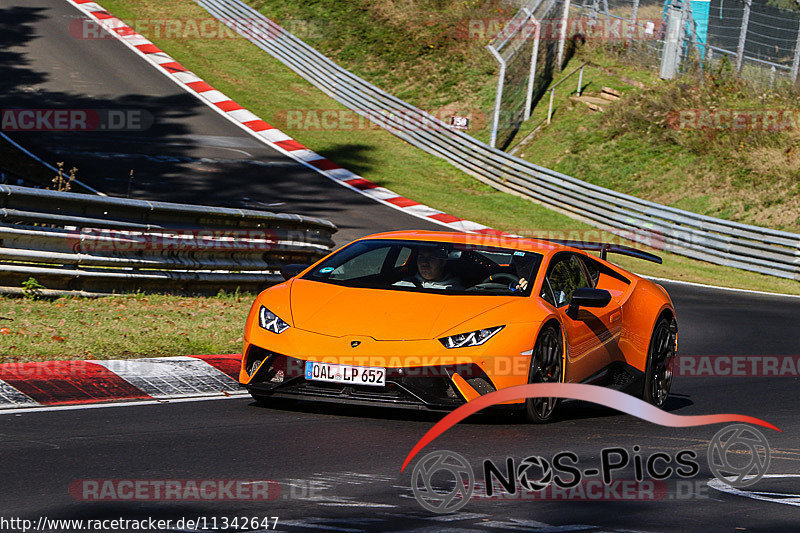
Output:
(718, 241)
(755, 39)
(95, 244)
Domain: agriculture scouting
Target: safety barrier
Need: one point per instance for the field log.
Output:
(96, 244)
(718, 241)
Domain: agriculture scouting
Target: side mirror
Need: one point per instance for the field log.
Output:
(290, 271)
(585, 297)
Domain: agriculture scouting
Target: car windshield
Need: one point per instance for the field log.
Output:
(419, 266)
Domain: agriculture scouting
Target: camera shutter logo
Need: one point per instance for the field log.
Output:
(739, 455)
(526, 473)
(456, 469)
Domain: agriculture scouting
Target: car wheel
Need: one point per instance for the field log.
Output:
(658, 373)
(546, 367)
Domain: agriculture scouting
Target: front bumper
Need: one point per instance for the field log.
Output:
(424, 387)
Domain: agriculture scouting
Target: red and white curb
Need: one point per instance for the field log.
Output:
(84, 382)
(263, 131)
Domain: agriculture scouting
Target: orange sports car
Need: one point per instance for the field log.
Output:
(431, 320)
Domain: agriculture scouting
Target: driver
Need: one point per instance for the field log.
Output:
(522, 266)
(432, 271)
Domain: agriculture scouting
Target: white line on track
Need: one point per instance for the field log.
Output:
(763, 293)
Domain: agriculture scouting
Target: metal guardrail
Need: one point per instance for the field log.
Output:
(78, 242)
(722, 242)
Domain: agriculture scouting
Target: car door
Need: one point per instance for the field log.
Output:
(591, 334)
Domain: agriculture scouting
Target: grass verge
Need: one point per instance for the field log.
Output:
(121, 327)
(669, 142)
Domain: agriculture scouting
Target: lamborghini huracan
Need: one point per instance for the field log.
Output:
(431, 320)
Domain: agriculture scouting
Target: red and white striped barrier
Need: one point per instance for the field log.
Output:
(83, 382)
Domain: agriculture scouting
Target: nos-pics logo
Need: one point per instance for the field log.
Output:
(443, 481)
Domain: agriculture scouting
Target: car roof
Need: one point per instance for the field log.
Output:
(482, 239)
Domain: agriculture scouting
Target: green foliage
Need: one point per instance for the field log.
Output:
(32, 289)
(789, 5)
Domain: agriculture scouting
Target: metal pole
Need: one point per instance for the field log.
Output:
(550, 107)
(608, 14)
(670, 54)
(634, 22)
(742, 36)
(580, 81)
(532, 76)
(563, 36)
(498, 95)
(796, 62)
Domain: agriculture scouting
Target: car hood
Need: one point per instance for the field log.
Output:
(383, 314)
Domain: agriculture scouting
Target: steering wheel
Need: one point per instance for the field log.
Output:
(502, 276)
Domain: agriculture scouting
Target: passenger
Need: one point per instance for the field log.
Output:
(432, 271)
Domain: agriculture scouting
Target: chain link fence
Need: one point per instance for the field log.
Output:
(755, 39)
(526, 52)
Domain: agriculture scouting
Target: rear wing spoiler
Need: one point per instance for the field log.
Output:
(606, 248)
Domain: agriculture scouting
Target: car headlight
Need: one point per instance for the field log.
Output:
(270, 321)
(473, 338)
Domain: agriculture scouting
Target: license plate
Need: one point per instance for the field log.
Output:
(353, 375)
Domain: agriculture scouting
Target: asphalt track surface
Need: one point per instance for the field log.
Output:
(339, 467)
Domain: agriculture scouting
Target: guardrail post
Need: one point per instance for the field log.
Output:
(534, 60)
(563, 36)
(743, 36)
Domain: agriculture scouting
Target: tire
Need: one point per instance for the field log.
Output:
(546, 367)
(658, 371)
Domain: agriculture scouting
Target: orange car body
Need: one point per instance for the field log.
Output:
(401, 331)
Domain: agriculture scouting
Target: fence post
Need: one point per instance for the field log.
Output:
(593, 14)
(580, 82)
(634, 21)
(498, 95)
(562, 38)
(532, 75)
(550, 106)
(796, 61)
(670, 55)
(742, 36)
